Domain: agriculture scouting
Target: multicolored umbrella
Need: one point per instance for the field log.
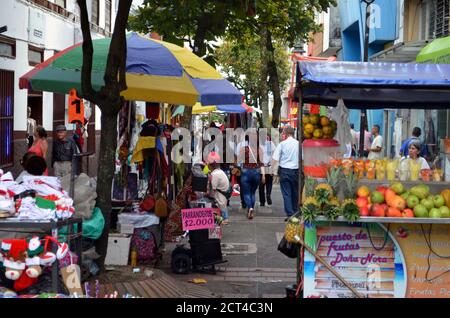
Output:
(157, 71)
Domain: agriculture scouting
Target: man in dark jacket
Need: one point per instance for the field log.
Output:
(63, 150)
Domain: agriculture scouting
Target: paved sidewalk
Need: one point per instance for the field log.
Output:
(254, 268)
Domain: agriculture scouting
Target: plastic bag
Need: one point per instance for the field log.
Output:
(93, 228)
(287, 248)
(343, 134)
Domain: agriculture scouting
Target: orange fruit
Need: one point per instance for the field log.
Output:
(306, 119)
(315, 119)
(318, 133)
(309, 129)
(327, 130)
(324, 121)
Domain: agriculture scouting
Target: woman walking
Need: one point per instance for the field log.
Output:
(265, 189)
(253, 172)
(40, 144)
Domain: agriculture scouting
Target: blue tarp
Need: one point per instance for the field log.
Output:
(375, 85)
(379, 74)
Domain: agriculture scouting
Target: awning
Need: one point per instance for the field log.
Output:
(376, 85)
(400, 53)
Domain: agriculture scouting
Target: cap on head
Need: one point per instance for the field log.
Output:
(61, 128)
(213, 157)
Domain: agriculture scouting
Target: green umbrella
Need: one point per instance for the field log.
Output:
(437, 52)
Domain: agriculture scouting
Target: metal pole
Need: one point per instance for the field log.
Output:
(363, 118)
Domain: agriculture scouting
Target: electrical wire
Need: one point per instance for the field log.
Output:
(386, 236)
(428, 241)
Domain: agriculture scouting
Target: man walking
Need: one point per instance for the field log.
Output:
(286, 158)
(415, 136)
(376, 149)
(63, 150)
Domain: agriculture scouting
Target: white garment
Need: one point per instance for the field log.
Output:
(404, 163)
(286, 153)
(377, 142)
(348, 153)
(354, 136)
(268, 149)
(219, 181)
(22, 175)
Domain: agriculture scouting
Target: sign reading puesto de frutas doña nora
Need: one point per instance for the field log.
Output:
(379, 261)
(197, 219)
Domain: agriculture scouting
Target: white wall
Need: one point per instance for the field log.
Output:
(57, 34)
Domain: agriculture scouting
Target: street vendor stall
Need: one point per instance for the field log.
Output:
(374, 232)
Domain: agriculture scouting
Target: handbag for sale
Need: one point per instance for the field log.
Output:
(148, 203)
(161, 208)
(287, 248)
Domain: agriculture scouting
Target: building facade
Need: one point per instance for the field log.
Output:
(36, 30)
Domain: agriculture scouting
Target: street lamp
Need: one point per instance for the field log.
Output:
(366, 33)
(363, 119)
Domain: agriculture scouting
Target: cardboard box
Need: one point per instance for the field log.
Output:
(118, 249)
(125, 228)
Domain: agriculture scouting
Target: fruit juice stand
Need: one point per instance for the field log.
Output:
(387, 238)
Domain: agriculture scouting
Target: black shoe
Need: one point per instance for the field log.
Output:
(262, 204)
(269, 201)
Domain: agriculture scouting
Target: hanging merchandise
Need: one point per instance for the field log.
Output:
(152, 110)
(76, 108)
(343, 134)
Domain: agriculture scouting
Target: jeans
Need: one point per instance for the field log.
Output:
(224, 213)
(265, 190)
(289, 190)
(250, 179)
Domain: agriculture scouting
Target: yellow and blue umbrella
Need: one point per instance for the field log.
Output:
(156, 71)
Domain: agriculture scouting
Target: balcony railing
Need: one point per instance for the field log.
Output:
(69, 15)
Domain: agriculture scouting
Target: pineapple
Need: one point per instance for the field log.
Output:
(333, 178)
(310, 209)
(323, 193)
(350, 210)
(332, 209)
(351, 182)
(293, 229)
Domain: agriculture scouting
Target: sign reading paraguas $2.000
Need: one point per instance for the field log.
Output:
(197, 219)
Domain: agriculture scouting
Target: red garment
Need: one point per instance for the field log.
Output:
(152, 110)
(252, 160)
(37, 149)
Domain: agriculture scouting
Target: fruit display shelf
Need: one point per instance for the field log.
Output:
(372, 219)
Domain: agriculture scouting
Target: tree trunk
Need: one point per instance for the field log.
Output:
(263, 87)
(274, 81)
(106, 167)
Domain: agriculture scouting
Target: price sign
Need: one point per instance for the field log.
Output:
(197, 219)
